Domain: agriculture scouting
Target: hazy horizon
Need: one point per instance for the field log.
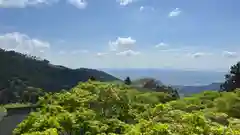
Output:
(166, 69)
(170, 76)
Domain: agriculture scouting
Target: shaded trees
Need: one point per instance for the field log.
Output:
(157, 86)
(128, 81)
(232, 79)
(92, 78)
(18, 90)
(35, 72)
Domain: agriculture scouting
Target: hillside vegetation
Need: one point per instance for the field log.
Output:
(19, 73)
(41, 74)
(97, 108)
(151, 84)
(142, 81)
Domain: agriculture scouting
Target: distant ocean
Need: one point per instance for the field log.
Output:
(170, 77)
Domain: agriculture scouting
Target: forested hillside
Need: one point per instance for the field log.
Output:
(19, 71)
(96, 108)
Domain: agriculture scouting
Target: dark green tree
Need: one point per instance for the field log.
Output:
(128, 81)
(92, 78)
(232, 79)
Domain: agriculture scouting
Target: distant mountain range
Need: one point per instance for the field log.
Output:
(188, 82)
(189, 90)
(170, 76)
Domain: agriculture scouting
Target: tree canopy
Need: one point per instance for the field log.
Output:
(42, 74)
(97, 108)
(232, 79)
(19, 73)
(128, 81)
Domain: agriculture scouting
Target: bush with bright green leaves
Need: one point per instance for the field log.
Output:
(95, 108)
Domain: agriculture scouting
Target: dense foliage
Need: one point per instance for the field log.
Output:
(96, 108)
(144, 82)
(18, 91)
(232, 78)
(151, 84)
(128, 81)
(37, 73)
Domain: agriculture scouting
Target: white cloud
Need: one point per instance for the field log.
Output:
(161, 45)
(128, 53)
(146, 59)
(23, 3)
(122, 44)
(230, 54)
(141, 8)
(125, 2)
(23, 43)
(175, 12)
(81, 4)
(182, 58)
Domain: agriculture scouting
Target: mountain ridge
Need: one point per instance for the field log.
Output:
(14, 64)
(189, 90)
(18, 71)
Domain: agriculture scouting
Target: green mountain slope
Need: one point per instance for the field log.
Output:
(41, 74)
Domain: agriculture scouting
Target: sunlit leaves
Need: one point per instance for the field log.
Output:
(95, 108)
(51, 131)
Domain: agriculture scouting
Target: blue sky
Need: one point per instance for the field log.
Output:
(179, 34)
